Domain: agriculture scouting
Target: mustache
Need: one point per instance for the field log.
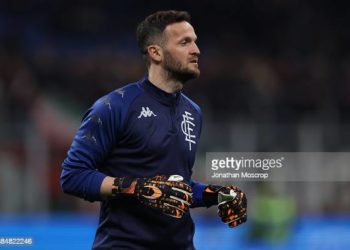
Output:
(194, 59)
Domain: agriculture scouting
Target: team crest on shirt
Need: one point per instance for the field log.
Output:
(187, 126)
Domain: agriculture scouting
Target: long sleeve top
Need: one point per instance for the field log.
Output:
(135, 131)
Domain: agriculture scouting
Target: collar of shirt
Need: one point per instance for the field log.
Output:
(160, 95)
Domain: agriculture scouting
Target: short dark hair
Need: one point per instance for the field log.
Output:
(153, 26)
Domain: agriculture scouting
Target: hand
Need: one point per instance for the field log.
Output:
(231, 201)
(232, 206)
(169, 195)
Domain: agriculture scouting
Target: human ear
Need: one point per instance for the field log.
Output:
(155, 52)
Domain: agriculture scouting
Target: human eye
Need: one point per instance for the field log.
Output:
(183, 42)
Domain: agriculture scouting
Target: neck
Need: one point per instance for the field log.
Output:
(160, 78)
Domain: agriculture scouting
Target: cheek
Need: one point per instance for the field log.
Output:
(177, 56)
(180, 54)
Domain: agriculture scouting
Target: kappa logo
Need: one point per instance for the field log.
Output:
(187, 126)
(146, 112)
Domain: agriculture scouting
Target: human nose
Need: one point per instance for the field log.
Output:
(195, 50)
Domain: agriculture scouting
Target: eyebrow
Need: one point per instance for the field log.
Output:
(188, 38)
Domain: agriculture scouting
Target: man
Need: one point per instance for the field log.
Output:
(136, 148)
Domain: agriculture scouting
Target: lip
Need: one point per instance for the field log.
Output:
(195, 64)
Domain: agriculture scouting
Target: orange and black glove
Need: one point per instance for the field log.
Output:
(231, 202)
(167, 194)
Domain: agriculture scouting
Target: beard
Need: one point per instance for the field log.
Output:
(177, 71)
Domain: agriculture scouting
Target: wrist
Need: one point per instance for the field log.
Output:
(106, 187)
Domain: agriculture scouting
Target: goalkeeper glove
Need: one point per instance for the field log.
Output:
(231, 201)
(169, 195)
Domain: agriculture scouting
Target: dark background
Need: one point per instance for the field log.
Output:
(275, 76)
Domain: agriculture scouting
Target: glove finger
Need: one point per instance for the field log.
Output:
(176, 190)
(230, 204)
(172, 211)
(238, 221)
(165, 207)
(239, 194)
(229, 209)
(177, 194)
(176, 185)
(232, 217)
(231, 214)
(180, 185)
(243, 199)
(182, 196)
(227, 189)
(163, 180)
(156, 204)
(234, 188)
(176, 203)
(175, 197)
(239, 201)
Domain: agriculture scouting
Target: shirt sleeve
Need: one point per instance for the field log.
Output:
(93, 141)
(198, 189)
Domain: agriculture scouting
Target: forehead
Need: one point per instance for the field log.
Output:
(179, 30)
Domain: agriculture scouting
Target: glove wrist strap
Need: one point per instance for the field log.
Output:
(210, 195)
(124, 185)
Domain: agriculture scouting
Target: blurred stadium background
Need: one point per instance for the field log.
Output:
(275, 77)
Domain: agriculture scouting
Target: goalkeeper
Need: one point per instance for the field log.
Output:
(135, 149)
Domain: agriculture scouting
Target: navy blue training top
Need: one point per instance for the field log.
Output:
(135, 131)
